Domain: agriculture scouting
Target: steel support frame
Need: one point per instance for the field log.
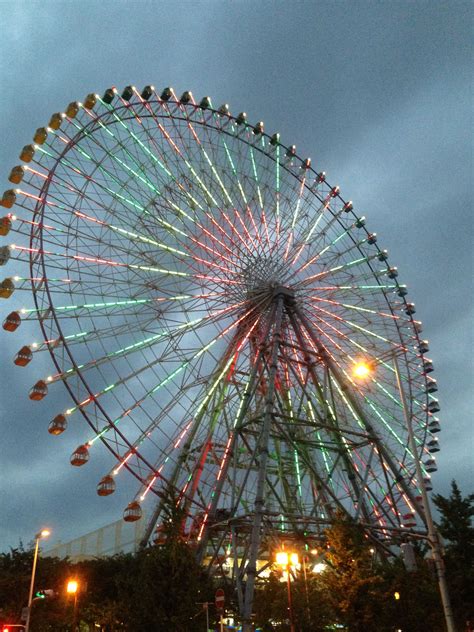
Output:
(255, 536)
(433, 537)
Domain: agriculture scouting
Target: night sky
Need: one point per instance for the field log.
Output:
(377, 94)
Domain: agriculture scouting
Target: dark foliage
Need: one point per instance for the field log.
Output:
(456, 528)
(162, 587)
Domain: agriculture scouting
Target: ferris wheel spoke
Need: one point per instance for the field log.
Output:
(211, 165)
(86, 260)
(354, 326)
(162, 383)
(228, 237)
(239, 185)
(136, 206)
(263, 219)
(53, 240)
(141, 173)
(370, 403)
(313, 244)
(227, 196)
(207, 193)
(356, 308)
(99, 188)
(157, 149)
(296, 212)
(144, 436)
(150, 241)
(342, 267)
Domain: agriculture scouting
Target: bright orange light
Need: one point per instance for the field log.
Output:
(362, 370)
(44, 533)
(285, 559)
(294, 559)
(72, 586)
(396, 595)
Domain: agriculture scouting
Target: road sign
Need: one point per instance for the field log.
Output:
(219, 599)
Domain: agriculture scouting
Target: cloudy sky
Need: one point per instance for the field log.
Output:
(377, 93)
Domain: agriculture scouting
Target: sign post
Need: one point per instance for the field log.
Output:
(220, 600)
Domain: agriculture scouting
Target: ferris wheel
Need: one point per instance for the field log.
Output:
(223, 321)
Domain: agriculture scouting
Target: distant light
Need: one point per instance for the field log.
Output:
(44, 533)
(396, 596)
(362, 370)
(319, 567)
(72, 586)
(282, 558)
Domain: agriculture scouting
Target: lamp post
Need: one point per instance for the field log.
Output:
(285, 560)
(363, 370)
(72, 589)
(42, 534)
(433, 537)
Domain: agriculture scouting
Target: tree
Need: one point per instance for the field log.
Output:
(455, 526)
(15, 576)
(353, 586)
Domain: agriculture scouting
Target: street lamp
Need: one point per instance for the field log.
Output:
(285, 560)
(362, 370)
(42, 534)
(72, 589)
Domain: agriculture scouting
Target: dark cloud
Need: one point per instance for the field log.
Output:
(377, 93)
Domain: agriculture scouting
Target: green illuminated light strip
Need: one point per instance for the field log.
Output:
(94, 305)
(103, 187)
(234, 171)
(209, 162)
(277, 166)
(133, 347)
(298, 474)
(343, 266)
(168, 378)
(354, 325)
(298, 204)
(356, 308)
(254, 168)
(165, 134)
(323, 449)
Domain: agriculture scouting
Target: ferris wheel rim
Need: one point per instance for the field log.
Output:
(58, 324)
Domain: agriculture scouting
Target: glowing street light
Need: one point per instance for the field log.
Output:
(287, 560)
(72, 588)
(42, 534)
(362, 370)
